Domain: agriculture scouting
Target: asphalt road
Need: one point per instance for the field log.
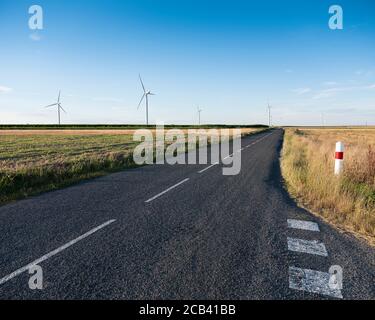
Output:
(209, 237)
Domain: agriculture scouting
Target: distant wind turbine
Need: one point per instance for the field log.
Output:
(269, 114)
(199, 115)
(58, 104)
(146, 93)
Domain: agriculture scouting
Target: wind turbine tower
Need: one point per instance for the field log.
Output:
(323, 120)
(269, 114)
(146, 93)
(59, 107)
(199, 115)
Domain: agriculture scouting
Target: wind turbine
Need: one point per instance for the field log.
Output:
(199, 114)
(58, 104)
(146, 93)
(269, 114)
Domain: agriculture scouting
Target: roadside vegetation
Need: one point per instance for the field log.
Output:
(32, 162)
(347, 201)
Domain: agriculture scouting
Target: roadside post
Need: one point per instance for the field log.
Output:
(339, 158)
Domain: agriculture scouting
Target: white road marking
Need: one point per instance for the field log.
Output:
(209, 167)
(303, 225)
(167, 190)
(263, 138)
(312, 281)
(52, 253)
(228, 156)
(255, 142)
(183, 181)
(307, 246)
(248, 146)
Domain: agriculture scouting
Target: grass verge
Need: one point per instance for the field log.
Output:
(348, 201)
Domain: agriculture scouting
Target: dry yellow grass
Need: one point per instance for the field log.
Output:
(347, 201)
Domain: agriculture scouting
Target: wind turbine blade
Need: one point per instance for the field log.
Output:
(143, 86)
(141, 100)
(51, 105)
(152, 94)
(58, 99)
(62, 108)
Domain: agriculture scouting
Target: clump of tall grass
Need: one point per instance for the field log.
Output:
(347, 201)
(362, 170)
(35, 179)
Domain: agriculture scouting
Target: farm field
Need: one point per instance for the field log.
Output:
(347, 201)
(48, 132)
(34, 161)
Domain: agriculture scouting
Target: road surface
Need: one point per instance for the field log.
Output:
(180, 232)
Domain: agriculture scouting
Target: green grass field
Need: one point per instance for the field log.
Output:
(32, 164)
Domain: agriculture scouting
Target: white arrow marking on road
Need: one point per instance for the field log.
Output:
(312, 281)
(52, 253)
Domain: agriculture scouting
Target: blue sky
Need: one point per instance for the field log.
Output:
(228, 57)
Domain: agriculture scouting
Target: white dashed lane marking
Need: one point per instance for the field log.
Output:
(303, 225)
(167, 190)
(212, 165)
(53, 253)
(185, 180)
(307, 246)
(312, 281)
(228, 156)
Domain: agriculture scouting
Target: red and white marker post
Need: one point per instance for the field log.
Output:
(339, 158)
